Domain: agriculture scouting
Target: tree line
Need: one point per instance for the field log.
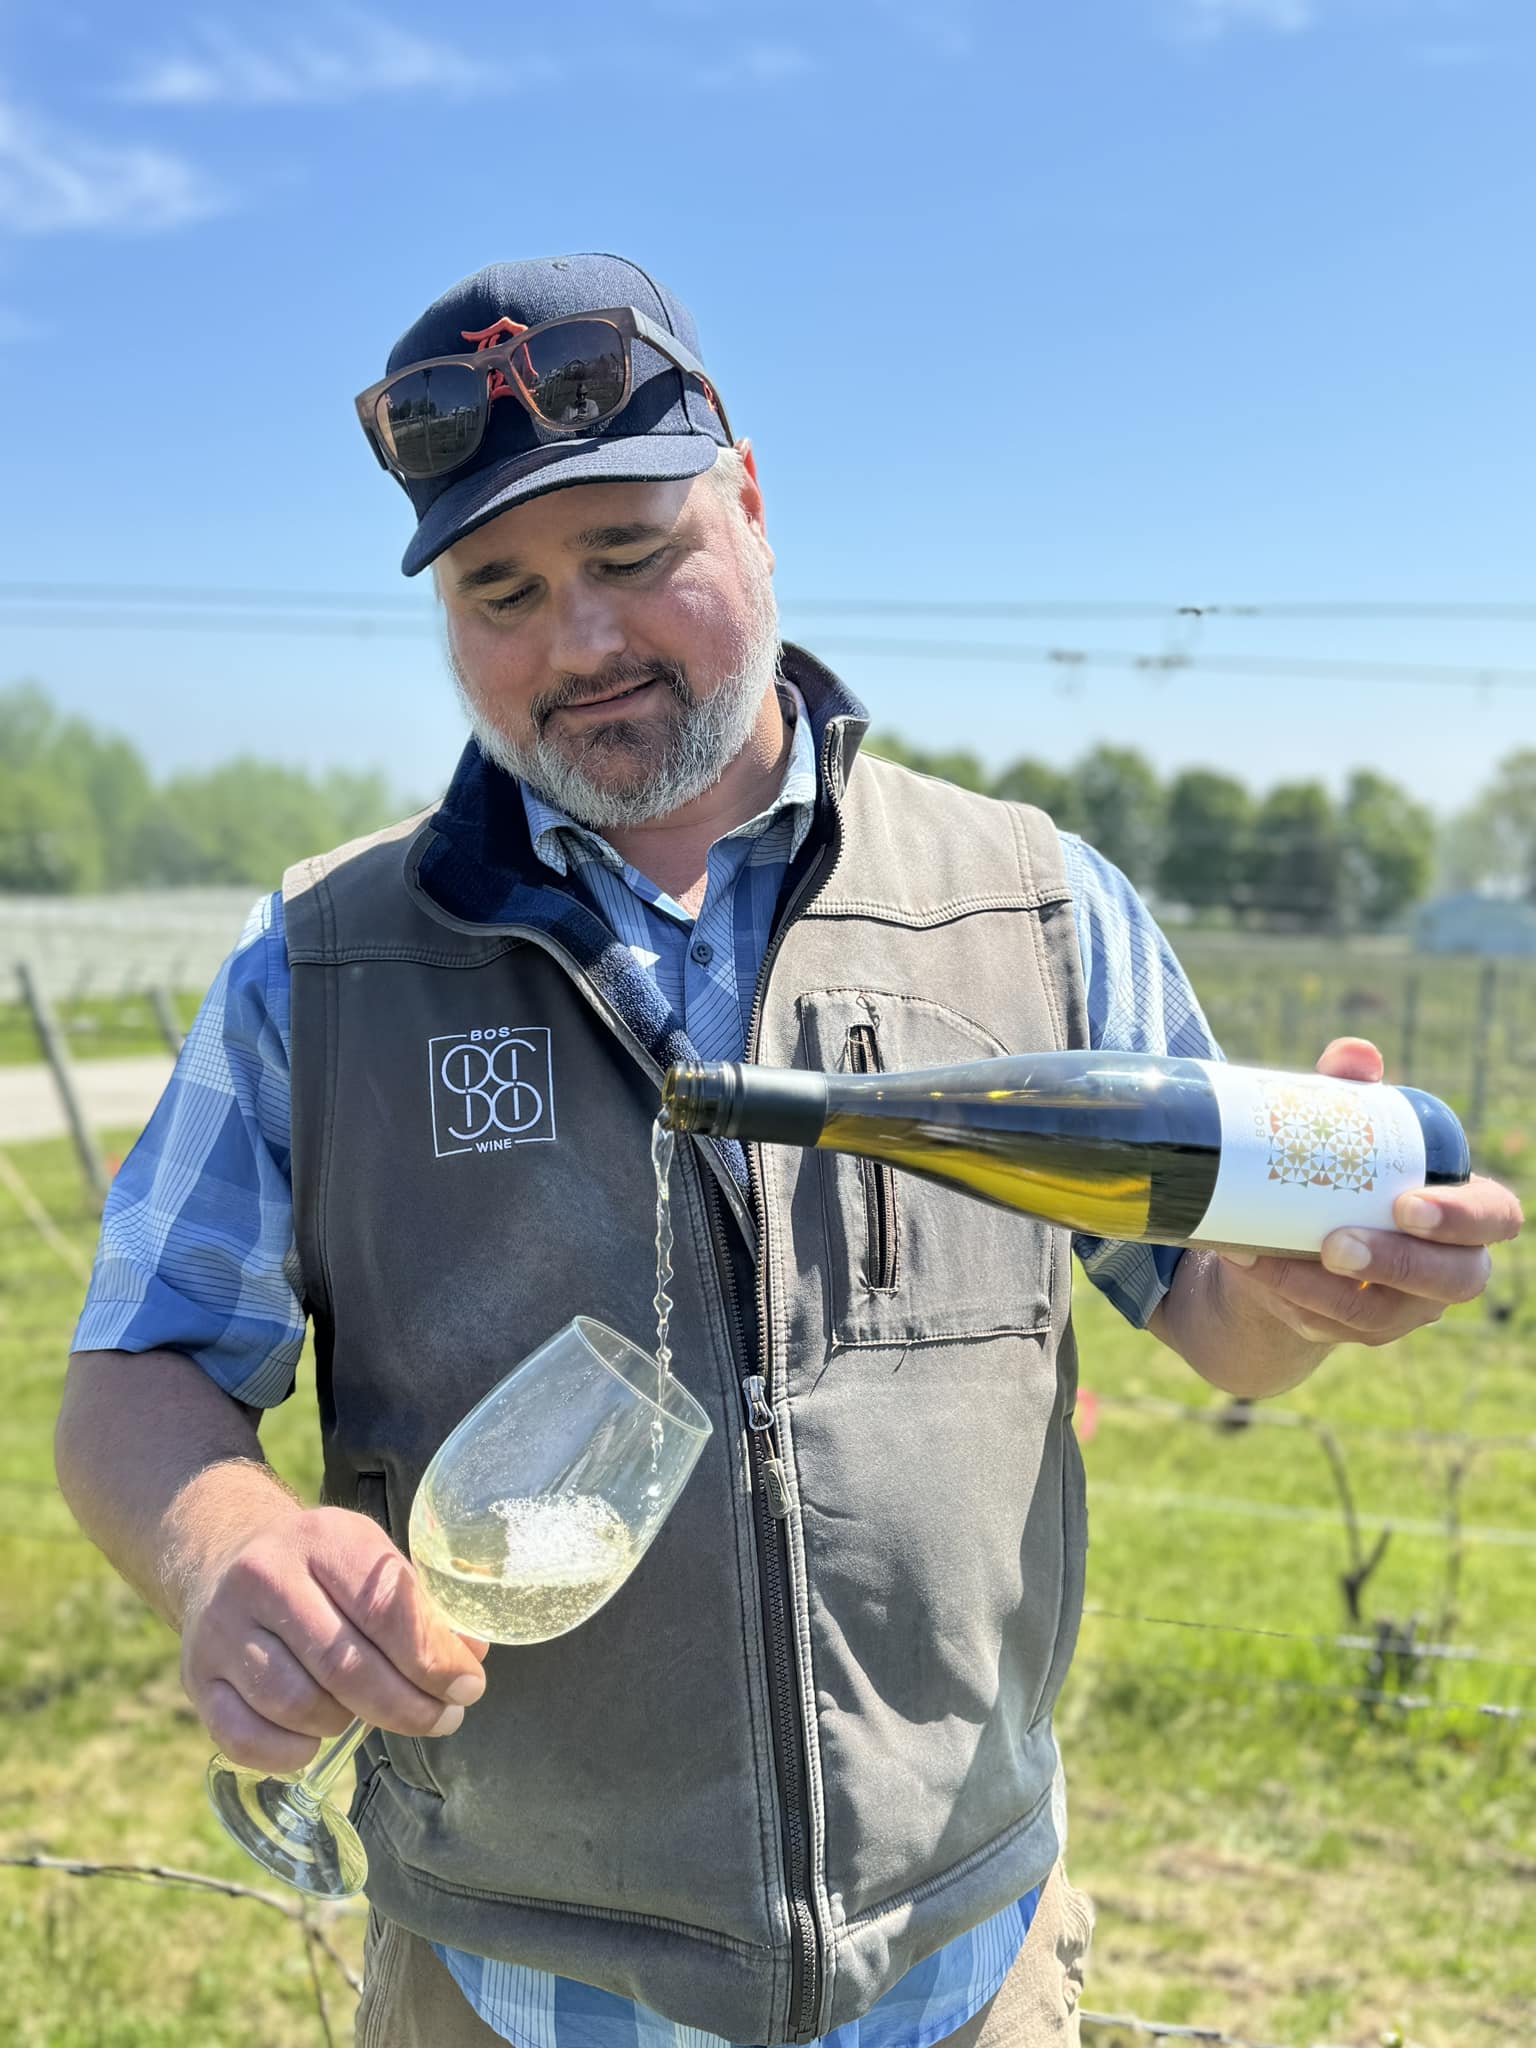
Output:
(80, 811)
(1292, 858)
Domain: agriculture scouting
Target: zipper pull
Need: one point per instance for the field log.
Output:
(760, 1422)
(776, 1486)
(759, 1414)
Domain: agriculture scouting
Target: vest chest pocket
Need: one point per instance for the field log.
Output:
(909, 1261)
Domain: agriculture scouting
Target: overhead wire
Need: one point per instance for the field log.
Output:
(1068, 663)
(1455, 611)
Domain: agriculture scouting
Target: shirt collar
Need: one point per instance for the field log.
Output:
(558, 838)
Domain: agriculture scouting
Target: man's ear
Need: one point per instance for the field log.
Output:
(752, 499)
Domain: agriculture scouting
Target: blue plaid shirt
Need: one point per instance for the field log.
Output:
(197, 1248)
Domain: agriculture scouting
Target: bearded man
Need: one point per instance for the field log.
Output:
(797, 1781)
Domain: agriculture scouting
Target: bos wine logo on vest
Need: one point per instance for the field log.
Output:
(492, 1089)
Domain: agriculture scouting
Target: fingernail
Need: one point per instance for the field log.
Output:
(1315, 1334)
(1241, 1258)
(1343, 1252)
(466, 1690)
(447, 1721)
(1414, 1213)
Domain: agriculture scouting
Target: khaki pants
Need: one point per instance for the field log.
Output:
(410, 2001)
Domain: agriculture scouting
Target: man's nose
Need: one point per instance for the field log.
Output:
(587, 632)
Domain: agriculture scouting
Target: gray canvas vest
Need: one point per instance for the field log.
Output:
(793, 1755)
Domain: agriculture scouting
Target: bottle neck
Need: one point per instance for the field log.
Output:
(775, 1105)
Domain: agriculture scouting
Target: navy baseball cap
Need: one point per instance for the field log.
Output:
(668, 430)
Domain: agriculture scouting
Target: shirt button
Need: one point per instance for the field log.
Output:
(701, 951)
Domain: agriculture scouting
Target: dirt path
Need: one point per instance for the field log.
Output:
(117, 1095)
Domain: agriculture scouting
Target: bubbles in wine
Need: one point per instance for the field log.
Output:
(559, 1558)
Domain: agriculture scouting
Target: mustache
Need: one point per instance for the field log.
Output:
(625, 676)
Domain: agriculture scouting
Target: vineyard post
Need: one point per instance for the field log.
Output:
(1482, 1038)
(1409, 1051)
(166, 1018)
(56, 1052)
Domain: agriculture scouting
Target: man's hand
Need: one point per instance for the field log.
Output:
(1374, 1286)
(314, 1619)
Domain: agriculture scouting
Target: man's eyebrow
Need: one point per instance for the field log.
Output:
(597, 538)
(503, 570)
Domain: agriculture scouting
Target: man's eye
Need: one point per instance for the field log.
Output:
(498, 606)
(635, 568)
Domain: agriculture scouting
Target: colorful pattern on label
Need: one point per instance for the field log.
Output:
(1301, 1156)
(1319, 1140)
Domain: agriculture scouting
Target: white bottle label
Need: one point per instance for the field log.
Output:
(1302, 1155)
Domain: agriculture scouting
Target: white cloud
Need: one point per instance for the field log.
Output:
(54, 180)
(1207, 19)
(1452, 56)
(943, 25)
(760, 64)
(352, 55)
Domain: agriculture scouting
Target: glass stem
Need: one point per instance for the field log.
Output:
(314, 1787)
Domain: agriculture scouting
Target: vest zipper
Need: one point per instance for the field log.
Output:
(773, 1569)
(770, 1492)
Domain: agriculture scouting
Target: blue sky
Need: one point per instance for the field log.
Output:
(1254, 276)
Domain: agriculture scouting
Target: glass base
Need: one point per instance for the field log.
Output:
(307, 1842)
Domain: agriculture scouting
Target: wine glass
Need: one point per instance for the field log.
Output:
(531, 1515)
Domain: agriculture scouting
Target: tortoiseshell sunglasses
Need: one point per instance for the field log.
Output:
(570, 375)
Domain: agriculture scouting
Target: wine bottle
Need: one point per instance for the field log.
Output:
(1120, 1145)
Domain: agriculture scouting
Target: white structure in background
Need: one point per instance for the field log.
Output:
(109, 945)
(1474, 921)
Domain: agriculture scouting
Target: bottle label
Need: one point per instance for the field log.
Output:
(1302, 1155)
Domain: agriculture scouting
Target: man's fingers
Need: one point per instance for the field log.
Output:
(275, 1685)
(248, 1738)
(390, 1609)
(1352, 1059)
(1480, 1212)
(342, 1658)
(1327, 1308)
(1435, 1272)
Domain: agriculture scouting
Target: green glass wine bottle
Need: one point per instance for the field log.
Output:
(1120, 1145)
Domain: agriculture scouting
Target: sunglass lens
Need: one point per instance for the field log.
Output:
(432, 420)
(574, 373)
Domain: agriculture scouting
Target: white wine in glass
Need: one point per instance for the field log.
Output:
(531, 1515)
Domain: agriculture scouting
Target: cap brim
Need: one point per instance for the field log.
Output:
(626, 459)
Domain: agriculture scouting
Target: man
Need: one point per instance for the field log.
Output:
(795, 1782)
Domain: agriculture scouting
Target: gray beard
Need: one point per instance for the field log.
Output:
(670, 762)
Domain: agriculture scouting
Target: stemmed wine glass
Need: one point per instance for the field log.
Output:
(531, 1515)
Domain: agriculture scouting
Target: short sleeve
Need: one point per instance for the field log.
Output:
(197, 1247)
(1139, 1000)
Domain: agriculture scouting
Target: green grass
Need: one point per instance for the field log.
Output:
(1282, 1862)
(1288, 1864)
(103, 1755)
(1271, 1858)
(95, 1027)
